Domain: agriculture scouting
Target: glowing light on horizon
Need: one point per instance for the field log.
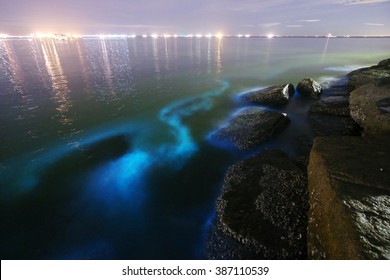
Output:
(219, 35)
(3, 35)
(243, 35)
(270, 35)
(110, 36)
(154, 35)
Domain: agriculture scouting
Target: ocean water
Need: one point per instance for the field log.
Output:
(105, 150)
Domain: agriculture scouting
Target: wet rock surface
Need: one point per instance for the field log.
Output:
(262, 210)
(370, 108)
(309, 87)
(331, 114)
(274, 95)
(349, 192)
(378, 75)
(251, 128)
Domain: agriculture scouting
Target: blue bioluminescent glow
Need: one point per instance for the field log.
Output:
(124, 173)
(173, 114)
(128, 171)
(21, 175)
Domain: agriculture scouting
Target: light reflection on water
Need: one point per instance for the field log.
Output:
(103, 152)
(59, 84)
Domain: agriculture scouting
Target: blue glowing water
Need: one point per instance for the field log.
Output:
(104, 151)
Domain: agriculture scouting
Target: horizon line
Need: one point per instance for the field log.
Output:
(65, 36)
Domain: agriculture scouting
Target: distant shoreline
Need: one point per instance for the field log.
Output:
(117, 36)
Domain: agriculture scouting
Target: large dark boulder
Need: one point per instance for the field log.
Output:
(370, 108)
(309, 87)
(251, 128)
(378, 74)
(262, 210)
(349, 192)
(274, 95)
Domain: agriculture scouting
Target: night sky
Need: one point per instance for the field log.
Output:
(282, 17)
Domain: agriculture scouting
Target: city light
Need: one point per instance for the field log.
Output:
(219, 35)
(270, 36)
(111, 36)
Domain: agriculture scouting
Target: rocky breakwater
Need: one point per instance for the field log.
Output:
(262, 209)
(349, 178)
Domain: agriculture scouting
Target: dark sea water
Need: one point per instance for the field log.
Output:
(104, 149)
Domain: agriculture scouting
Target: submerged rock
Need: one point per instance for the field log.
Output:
(262, 211)
(309, 87)
(378, 74)
(88, 157)
(251, 128)
(370, 108)
(274, 95)
(349, 193)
